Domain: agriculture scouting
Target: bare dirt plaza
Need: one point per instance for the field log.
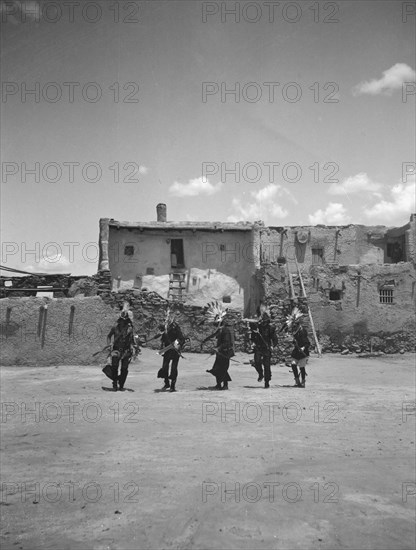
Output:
(329, 466)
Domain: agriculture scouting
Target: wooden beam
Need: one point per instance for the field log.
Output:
(318, 345)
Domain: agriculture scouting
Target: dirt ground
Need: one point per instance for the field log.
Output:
(329, 466)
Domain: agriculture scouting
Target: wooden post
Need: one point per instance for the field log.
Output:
(71, 321)
(358, 287)
(40, 321)
(45, 314)
(188, 280)
(318, 345)
(281, 244)
(336, 244)
(103, 262)
(8, 315)
(292, 291)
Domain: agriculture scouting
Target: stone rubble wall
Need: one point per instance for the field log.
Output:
(358, 322)
(75, 327)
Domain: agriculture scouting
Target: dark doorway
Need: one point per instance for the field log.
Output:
(176, 253)
(396, 250)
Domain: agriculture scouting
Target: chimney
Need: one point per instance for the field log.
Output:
(161, 212)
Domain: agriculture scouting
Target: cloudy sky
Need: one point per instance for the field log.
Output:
(290, 112)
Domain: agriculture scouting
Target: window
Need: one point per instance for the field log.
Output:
(226, 299)
(386, 296)
(395, 251)
(150, 271)
(335, 294)
(222, 247)
(317, 256)
(128, 250)
(176, 253)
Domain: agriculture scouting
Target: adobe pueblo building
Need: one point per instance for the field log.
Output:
(191, 262)
(358, 280)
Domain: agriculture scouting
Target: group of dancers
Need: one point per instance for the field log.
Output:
(123, 345)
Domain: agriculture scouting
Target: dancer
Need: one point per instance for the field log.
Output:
(300, 353)
(264, 338)
(122, 349)
(217, 314)
(172, 341)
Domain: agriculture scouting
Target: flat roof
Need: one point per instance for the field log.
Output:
(183, 226)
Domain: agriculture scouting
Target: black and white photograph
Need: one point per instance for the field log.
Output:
(208, 274)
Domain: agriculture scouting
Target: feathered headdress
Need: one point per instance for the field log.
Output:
(216, 312)
(169, 319)
(126, 312)
(263, 312)
(293, 317)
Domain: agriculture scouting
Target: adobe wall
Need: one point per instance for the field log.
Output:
(72, 330)
(75, 328)
(62, 285)
(217, 264)
(358, 316)
(149, 310)
(344, 245)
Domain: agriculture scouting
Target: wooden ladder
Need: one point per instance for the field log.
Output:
(294, 298)
(176, 286)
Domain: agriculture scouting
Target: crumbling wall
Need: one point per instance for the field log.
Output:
(346, 304)
(149, 311)
(68, 331)
(342, 245)
(62, 285)
(57, 331)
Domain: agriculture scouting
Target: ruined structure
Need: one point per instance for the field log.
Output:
(191, 262)
(359, 282)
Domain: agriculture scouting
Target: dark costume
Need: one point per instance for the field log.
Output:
(122, 350)
(300, 353)
(263, 336)
(171, 337)
(224, 352)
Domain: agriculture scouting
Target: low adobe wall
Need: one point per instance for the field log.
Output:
(67, 332)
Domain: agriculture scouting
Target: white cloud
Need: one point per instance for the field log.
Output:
(53, 263)
(195, 187)
(191, 218)
(400, 203)
(262, 208)
(392, 79)
(334, 214)
(354, 184)
(143, 170)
